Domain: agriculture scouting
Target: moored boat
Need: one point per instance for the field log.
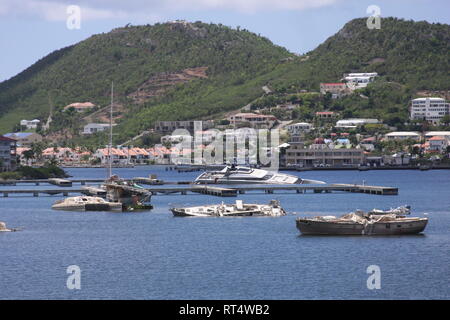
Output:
(85, 203)
(360, 223)
(237, 209)
(245, 175)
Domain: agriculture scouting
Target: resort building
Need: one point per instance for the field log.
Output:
(95, 127)
(320, 153)
(403, 135)
(80, 106)
(359, 80)
(30, 124)
(8, 156)
(325, 114)
(429, 109)
(257, 121)
(438, 144)
(170, 126)
(354, 123)
(337, 90)
(24, 139)
(299, 127)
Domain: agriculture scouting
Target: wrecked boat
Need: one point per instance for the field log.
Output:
(237, 209)
(85, 203)
(361, 223)
(402, 210)
(3, 227)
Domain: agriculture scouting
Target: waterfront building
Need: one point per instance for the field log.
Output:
(118, 156)
(403, 135)
(92, 128)
(320, 153)
(429, 109)
(437, 144)
(8, 156)
(24, 139)
(80, 106)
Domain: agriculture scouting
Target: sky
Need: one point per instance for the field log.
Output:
(31, 29)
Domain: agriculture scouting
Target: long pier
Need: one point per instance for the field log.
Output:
(221, 191)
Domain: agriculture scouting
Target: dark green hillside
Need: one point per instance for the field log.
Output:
(409, 56)
(130, 56)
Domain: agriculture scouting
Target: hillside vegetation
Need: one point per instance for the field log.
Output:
(409, 56)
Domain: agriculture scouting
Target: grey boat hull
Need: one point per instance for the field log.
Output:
(310, 227)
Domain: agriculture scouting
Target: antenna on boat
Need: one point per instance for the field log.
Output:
(110, 132)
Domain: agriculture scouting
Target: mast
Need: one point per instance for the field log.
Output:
(110, 132)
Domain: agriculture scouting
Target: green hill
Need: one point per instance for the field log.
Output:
(176, 71)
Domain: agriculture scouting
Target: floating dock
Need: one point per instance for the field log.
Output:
(221, 191)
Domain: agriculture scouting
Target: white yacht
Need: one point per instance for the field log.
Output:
(84, 203)
(240, 175)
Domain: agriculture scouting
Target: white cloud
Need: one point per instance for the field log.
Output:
(55, 10)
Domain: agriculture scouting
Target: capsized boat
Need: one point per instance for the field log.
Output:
(85, 203)
(3, 227)
(361, 223)
(231, 210)
(129, 194)
(402, 210)
(245, 175)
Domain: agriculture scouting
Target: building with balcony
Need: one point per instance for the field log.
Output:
(429, 109)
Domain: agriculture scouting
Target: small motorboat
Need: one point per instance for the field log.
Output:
(237, 209)
(85, 203)
(361, 223)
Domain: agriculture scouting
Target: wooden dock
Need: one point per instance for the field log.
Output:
(221, 191)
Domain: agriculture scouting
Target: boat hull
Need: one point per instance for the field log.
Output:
(309, 227)
(90, 207)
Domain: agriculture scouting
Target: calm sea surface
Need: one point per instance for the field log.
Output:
(152, 255)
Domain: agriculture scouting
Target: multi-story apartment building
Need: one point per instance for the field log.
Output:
(429, 109)
(322, 154)
(8, 158)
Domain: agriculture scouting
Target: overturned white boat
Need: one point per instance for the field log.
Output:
(84, 203)
(245, 175)
(237, 209)
(402, 210)
(3, 227)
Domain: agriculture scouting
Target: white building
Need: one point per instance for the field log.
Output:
(299, 127)
(353, 123)
(30, 124)
(429, 109)
(95, 127)
(403, 135)
(445, 134)
(359, 80)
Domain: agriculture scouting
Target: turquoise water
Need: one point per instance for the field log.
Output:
(152, 255)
